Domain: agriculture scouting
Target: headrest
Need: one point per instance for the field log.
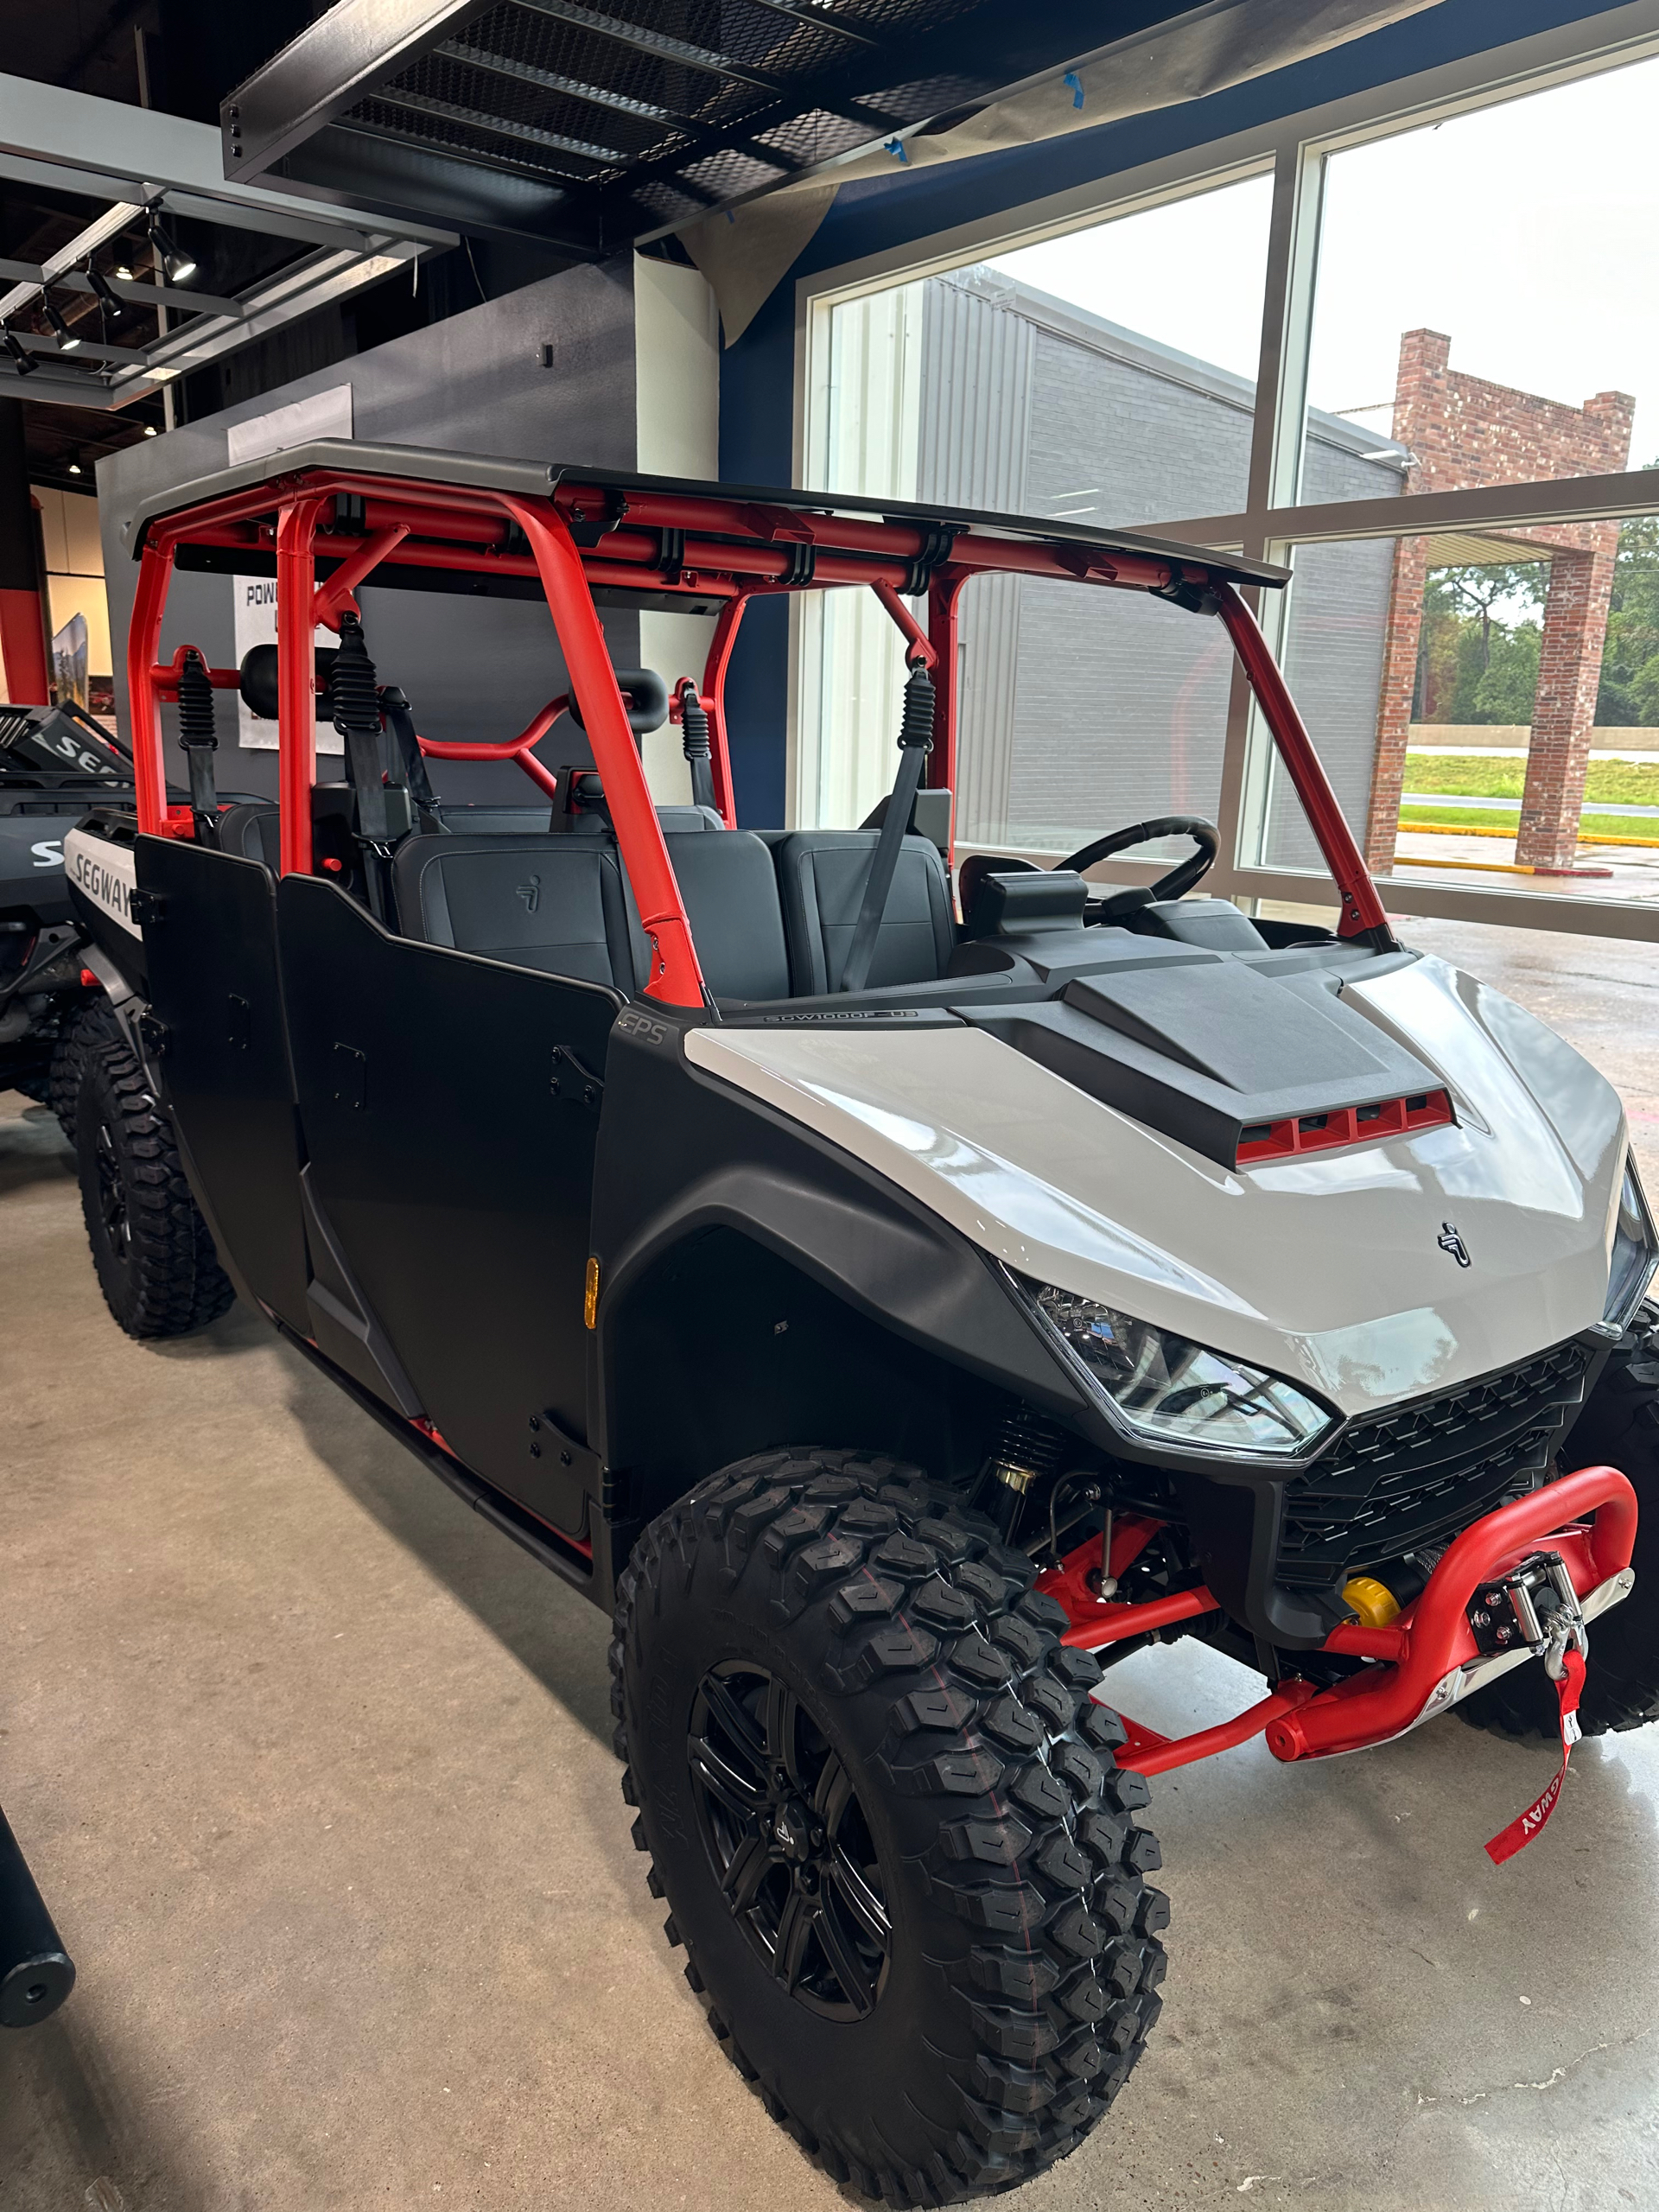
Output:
(646, 695)
(257, 679)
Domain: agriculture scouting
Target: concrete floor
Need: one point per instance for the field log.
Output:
(313, 1769)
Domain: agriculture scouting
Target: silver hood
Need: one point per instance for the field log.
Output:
(1326, 1268)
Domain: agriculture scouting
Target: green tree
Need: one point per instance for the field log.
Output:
(1478, 658)
(1629, 697)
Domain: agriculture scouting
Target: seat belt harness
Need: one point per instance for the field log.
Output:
(199, 739)
(915, 743)
(357, 717)
(400, 721)
(694, 743)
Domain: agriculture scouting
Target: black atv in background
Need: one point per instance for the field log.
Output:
(57, 763)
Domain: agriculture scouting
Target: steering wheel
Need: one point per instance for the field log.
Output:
(1180, 880)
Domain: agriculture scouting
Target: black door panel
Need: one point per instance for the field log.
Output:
(454, 1155)
(210, 944)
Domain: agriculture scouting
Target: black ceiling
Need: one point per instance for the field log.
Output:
(587, 127)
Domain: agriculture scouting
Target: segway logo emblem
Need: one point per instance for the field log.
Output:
(530, 893)
(1449, 1241)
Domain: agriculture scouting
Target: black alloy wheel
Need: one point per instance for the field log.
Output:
(111, 1194)
(789, 1840)
(885, 1811)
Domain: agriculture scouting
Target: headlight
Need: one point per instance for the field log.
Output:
(1634, 1251)
(1171, 1391)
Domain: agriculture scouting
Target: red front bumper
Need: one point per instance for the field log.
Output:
(1419, 1661)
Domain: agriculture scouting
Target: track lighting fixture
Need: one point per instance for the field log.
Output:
(22, 360)
(179, 266)
(68, 339)
(113, 306)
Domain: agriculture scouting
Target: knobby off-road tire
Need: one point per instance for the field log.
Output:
(1618, 1427)
(155, 1261)
(844, 1710)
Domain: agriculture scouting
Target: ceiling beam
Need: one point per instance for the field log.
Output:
(70, 142)
(124, 287)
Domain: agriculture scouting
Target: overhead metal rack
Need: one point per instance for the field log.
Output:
(589, 127)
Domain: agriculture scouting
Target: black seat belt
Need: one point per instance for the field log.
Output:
(915, 743)
(694, 743)
(357, 717)
(199, 739)
(400, 721)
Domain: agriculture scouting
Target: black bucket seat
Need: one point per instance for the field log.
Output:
(821, 877)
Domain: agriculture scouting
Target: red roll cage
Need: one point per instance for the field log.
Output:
(699, 544)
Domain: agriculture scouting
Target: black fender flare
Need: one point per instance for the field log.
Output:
(877, 1250)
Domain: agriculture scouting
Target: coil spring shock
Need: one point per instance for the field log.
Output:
(1028, 1448)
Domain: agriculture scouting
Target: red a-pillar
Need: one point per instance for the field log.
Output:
(23, 627)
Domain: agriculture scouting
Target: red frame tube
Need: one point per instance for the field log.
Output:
(675, 977)
(1362, 910)
(335, 596)
(743, 546)
(1147, 1756)
(1433, 1636)
(1430, 1640)
(144, 645)
(512, 748)
(918, 644)
(296, 678)
(943, 603)
(713, 696)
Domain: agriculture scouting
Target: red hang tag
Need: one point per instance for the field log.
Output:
(1521, 1831)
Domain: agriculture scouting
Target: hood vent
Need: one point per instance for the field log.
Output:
(1243, 1064)
(1301, 1132)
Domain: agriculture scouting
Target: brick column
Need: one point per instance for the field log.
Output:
(1569, 673)
(1393, 701)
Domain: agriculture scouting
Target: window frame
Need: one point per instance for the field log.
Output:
(1274, 522)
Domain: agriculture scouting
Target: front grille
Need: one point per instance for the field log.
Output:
(1417, 1475)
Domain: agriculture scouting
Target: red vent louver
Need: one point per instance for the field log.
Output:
(1341, 1125)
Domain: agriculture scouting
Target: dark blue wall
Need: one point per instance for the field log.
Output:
(758, 374)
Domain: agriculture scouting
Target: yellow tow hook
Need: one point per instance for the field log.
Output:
(1374, 1602)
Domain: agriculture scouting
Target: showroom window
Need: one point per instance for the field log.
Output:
(1367, 310)
(1491, 312)
(1082, 709)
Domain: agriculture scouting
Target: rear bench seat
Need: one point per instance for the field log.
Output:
(769, 917)
(555, 903)
(561, 904)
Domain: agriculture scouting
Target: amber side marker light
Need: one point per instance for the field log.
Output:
(590, 1295)
(1389, 1117)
